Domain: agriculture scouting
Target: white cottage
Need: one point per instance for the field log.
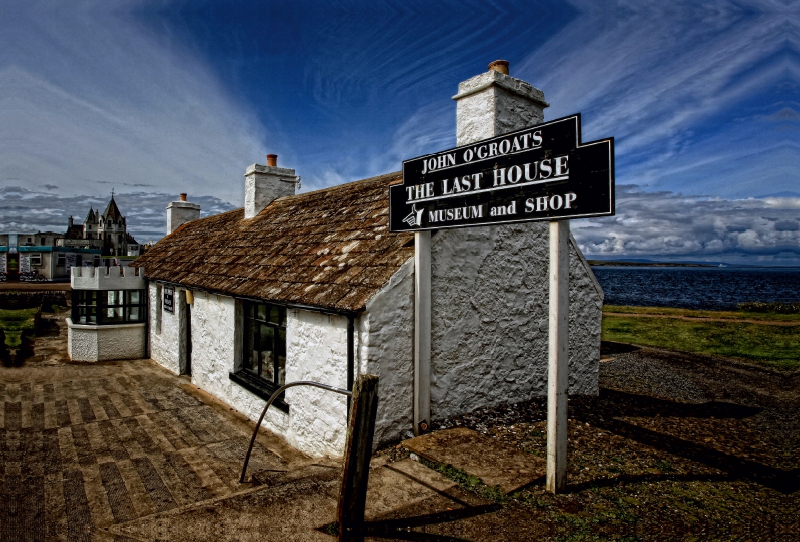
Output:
(313, 286)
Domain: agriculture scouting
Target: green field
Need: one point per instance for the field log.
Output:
(765, 338)
(14, 322)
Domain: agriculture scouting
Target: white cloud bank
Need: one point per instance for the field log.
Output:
(28, 211)
(670, 226)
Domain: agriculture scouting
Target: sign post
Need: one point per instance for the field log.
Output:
(558, 358)
(539, 173)
(422, 331)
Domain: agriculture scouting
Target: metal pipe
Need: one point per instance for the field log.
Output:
(271, 399)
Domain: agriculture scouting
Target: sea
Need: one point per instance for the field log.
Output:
(706, 288)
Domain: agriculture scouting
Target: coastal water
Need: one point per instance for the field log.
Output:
(709, 288)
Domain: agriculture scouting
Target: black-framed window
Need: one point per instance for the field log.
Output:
(108, 307)
(265, 342)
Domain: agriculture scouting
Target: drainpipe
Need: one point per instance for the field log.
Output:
(351, 369)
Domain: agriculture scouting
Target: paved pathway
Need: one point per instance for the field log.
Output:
(87, 446)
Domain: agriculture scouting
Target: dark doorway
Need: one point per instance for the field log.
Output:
(187, 369)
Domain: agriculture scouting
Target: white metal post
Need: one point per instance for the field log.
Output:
(558, 366)
(422, 329)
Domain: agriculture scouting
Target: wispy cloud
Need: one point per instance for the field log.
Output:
(89, 99)
(672, 81)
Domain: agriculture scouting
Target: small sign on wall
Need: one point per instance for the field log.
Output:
(169, 299)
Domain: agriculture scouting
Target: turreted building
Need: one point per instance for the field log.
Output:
(107, 231)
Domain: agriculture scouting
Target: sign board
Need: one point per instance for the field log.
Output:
(169, 299)
(539, 173)
(71, 261)
(24, 263)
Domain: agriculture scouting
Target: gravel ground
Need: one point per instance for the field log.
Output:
(675, 447)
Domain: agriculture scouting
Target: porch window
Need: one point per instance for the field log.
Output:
(265, 342)
(108, 307)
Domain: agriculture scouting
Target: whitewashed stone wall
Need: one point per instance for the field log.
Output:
(105, 343)
(490, 318)
(489, 326)
(388, 349)
(316, 350)
(489, 334)
(166, 346)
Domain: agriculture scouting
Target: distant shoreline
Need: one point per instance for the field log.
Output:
(600, 263)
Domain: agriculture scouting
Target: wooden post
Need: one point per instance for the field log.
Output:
(358, 451)
(422, 331)
(558, 366)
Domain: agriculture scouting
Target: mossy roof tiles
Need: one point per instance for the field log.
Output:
(330, 248)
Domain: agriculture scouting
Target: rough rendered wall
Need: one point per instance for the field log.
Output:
(213, 332)
(105, 343)
(165, 347)
(316, 350)
(490, 318)
(389, 351)
(82, 346)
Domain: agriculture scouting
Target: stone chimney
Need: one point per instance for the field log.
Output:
(71, 222)
(494, 103)
(265, 184)
(180, 212)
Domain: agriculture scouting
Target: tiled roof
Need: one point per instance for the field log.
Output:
(112, 211)
(74, 232)
(331, 248)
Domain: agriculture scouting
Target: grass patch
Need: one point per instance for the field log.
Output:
(771, 345)
(467, 481)
(727, 315)
(14, 322)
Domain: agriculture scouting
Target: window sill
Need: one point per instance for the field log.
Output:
(259, 387)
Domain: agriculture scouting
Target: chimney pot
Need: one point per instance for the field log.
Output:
(494, 103)
(181, 211)
(500, 66)
(272, 160)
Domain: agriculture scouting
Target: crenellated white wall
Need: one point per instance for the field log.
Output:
(107, 278)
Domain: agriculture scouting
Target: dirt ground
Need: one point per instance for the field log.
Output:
(675, 447)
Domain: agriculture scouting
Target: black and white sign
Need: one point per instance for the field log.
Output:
(539, 173)
(169, 299)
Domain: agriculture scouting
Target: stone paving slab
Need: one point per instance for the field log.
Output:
(495, 463)
(85, 446)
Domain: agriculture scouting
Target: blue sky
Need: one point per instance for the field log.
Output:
(156, 98)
